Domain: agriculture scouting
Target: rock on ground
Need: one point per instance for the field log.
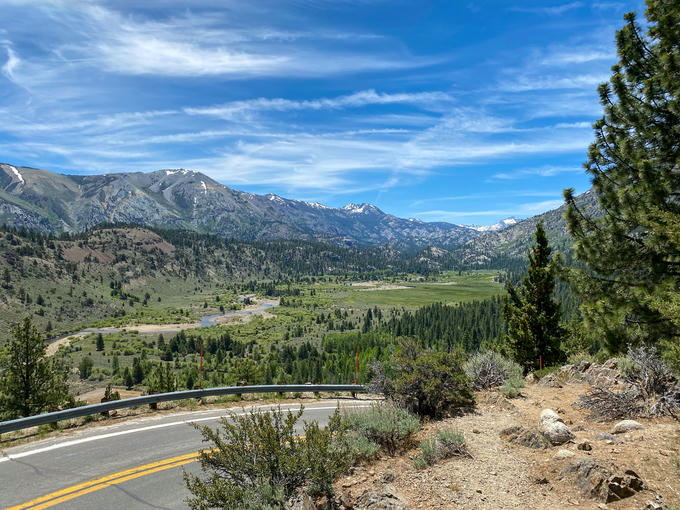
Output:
(626, 426)
(553, 428)
(531, 438)
(597, 480)
(563, 454)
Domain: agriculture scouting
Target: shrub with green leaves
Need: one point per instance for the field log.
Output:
(430, 383)
(489, 369)
(512, 387)
(386, 426)
(258, 461)
(447, 444)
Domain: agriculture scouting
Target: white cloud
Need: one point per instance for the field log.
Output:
(550, 10)
(355, 100)
(579, 55)
(543, 171)
(11, 64)
(528, 83)
(520, 211)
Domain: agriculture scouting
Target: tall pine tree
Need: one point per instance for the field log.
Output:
(531, 312)
(631, 289)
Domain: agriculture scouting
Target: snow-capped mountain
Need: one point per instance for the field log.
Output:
(496, 227)
(181, 198)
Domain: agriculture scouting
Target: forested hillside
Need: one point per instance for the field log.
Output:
(71, 280)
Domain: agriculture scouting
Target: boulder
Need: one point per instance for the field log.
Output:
(557, 432)
(549, 416)
(626, 426)
(530, 438)
(531, 378)
(602, 481)
(553, 428)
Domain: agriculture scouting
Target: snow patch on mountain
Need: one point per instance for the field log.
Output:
(496, 227)
(17, 174)
(276, 198)
(317, 205)
(179, 171)
(361, 209)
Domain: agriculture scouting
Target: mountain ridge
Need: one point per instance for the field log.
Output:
(179, 198)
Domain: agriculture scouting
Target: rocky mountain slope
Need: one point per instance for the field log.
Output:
(52, 203)
(514, 241)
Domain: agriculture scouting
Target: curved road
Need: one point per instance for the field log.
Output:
(132, 465)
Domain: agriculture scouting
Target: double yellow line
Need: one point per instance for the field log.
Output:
(81, 489)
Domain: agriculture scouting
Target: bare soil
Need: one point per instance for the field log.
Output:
(501, 475)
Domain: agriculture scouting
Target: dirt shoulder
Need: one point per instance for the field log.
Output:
(502, 475)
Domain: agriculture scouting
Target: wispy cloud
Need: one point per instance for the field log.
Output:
(199, 44)
(528, 83)
(426, 100)
(11, 64)
(503, 194)
(550, 10)
(520, 211)
(544, 171)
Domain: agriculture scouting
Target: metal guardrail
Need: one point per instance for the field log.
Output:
(76, 412)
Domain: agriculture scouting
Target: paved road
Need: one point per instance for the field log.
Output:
(132, 465)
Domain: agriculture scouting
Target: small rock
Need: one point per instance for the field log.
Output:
(626, 426)
(388, 477)
(653, 505)
(604, 436)
(578, 427)
(611, 364)
(531, 438)
(541, 481)
(478, 491)
(475, 431)
(585, 446)
(563, 454)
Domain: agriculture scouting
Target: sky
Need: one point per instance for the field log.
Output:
(459, 111)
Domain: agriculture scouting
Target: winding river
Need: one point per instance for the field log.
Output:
(152, 329)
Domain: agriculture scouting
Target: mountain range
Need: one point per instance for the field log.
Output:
(53, 203)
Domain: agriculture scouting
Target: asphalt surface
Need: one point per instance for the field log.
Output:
(136, 464)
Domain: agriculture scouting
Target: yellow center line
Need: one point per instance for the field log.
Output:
(75, 491)
(81, 489)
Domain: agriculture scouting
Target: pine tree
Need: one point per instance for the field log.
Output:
(531, 312)
(127, 379)
(30, 382)
(633, 249)
(100, 342)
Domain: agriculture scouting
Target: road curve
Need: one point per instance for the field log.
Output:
(132, 465)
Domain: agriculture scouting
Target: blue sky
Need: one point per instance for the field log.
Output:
(466, 112)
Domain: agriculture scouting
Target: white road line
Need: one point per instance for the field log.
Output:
(74, 442)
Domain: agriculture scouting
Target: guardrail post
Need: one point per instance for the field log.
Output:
(153, 405)
(104, 413)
